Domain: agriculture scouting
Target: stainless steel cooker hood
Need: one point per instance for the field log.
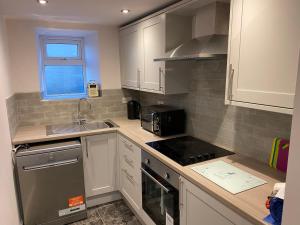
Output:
(210, 31)
(206, 47)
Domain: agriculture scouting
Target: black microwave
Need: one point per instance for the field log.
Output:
(163, 120)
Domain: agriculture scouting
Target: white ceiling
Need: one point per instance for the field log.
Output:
(104, 12)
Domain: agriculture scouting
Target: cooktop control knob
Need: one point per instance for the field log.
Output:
(206, 156)
(200, 158)
(167, 176)
(147, 161)
(192, 159)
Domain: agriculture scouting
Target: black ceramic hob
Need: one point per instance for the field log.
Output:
(188, 150)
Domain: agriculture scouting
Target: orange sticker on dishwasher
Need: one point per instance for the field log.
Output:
(75, 201)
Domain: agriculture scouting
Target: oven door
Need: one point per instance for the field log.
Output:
(160, 199)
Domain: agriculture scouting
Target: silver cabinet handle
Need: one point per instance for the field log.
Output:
(48, 165)
(86, 147)
(230, 83)
(160, 79)
(128, 146)
(129, 162)
(130, 177)
(153, 179)
(138, 78)
(181, 193)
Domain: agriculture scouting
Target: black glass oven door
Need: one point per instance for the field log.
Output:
(160, 199)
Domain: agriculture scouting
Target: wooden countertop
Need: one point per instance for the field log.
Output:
(249, 204)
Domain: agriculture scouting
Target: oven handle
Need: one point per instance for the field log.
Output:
(156, 181)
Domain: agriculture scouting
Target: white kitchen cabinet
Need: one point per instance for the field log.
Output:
(132, 57)
(199, 208)
(153, 31)
(263, 54)
(100, 164)
(130, 174)
(141, 43)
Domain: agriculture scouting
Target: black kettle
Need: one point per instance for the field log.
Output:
(133, 110)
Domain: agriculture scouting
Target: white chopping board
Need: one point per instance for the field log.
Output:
(228, 177)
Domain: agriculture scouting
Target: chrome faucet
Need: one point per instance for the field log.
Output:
(80, 117)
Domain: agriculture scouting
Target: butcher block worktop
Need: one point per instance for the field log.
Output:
(249, 204)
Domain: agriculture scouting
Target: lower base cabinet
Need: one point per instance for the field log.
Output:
(199, 208)
(130, 174)
(112, 163)
(100, 164)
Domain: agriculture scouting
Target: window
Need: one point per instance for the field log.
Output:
(62, 68)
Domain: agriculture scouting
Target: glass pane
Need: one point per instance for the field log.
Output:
(62, 50)
(156, 201)
(64, 80)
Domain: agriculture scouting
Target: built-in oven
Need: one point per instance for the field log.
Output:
(160, 195)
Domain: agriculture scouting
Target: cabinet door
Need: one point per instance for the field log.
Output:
(153, 31)
(198, 208)
(131, 57)
(100, 164)
(263, 52)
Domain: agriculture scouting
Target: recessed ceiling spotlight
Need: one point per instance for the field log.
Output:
(42, 2)
(125, 11)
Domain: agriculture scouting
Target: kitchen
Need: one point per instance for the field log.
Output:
(157, 88)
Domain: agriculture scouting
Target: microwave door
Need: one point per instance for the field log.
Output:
(147, 121)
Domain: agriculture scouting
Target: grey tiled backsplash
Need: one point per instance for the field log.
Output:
(12, 113)
(26, 109)
(247, 131)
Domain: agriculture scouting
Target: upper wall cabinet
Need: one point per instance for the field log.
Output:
(131, 57)
(263, 54)
(153, 33)
(140, 44)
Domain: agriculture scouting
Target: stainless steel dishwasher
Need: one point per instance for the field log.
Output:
(50, 183)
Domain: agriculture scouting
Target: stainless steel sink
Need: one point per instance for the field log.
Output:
(76, 127)
(63, 129)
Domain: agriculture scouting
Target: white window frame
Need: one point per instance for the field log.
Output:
(61, 61)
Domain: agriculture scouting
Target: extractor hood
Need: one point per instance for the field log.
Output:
(210, 31)
(206, 47)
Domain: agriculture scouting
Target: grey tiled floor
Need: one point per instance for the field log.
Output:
(115, 213)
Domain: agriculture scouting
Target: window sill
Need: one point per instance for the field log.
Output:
(69, 99)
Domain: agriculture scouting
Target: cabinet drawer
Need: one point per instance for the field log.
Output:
(130, 154)
(131, 170)
(128, 147)
(131, 188)
(129, 177)
(129, 163)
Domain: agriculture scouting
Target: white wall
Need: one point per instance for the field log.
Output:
(24, 60)
(292, 197)
(8, 206)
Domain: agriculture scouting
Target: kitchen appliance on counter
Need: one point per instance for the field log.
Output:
(50, 182)
(163, 120)
(160, 195)
(93, 89)
(133, 110)
(188, 150)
